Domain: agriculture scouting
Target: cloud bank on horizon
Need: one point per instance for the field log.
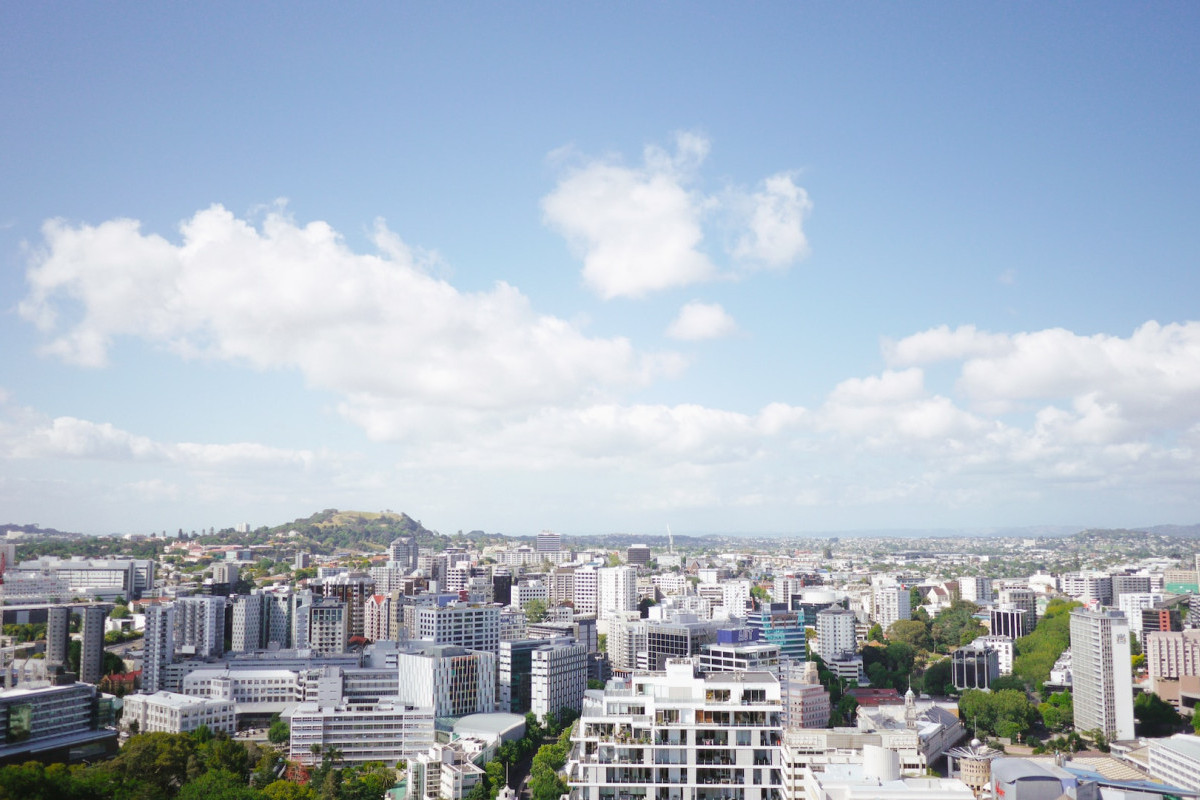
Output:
(451, 388)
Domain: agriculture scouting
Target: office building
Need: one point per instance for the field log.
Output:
(1102, 685)
(778, 626)
(587, 588)
(328, 626)
(387, 731)
(974, 666)
(1176, 761)
(976, 588)
(515, 671)
(549, 542)
(1089, 587)
(638, 555)
(352, 589)
(1007, 621)
(169, 712)
(64, 724)
(805, 701)
(1025, 599)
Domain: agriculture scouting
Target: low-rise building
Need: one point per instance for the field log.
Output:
(169, 712)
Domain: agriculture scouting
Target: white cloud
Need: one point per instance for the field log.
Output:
(942, 344)
(642, 229)
(775, 222)
(71, 438)
(376, 329)
(698, 321)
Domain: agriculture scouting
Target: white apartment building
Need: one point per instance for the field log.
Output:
(1088, 587)
(377, 618)
(1102, 684)
(1004, 649)
(159, 644)
(671, 583)
(674, 736)
(587, 588)
(253, 691)
(891, 605)
(1132, 604)
(836, 633)
(616, 591)
(388, 731)
(168, 712)
(558, 679)
(976, 588)
(475, 627)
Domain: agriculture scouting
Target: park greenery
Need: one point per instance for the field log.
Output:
(1037, 652)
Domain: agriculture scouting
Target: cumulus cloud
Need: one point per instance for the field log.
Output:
(697, 321)
(377, 329)
(942, 344)
(641, 229)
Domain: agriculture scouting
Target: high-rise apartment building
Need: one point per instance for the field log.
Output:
(328, 626)
(91, 651)
(1025, 599)
(674, 736)
(403, 552)
(200, 626)
(891, 605)
(1102, 685)
(58, 635)
(159, 646)
(353, 589)
(976, 588)
(836, 633)
(616, 591)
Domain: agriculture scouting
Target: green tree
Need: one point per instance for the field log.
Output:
(279, 732)
(1155, 717)
(217, 785)
(535, 610)
(938, 679)
(911, 632)
(288, 790)
(875, 634)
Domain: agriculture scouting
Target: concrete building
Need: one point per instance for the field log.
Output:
(168, 712)
(1025, 599)
(91, 650)
(836, 633)
(616, 591)
(200, 626)
(976, 588)
(587, 589)
(891, 605)
(1176, 761)
(782, 628)
(805, 701)
(1089, 587)
(558, 680)
(58, 635)
(388, 731)
(515, 671)
(1103, 687)
(159, 646)
(352, 589)
(473, 626)
(549, 542)
(404, 553)
(328, 626)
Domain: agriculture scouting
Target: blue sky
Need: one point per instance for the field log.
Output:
(600, 267)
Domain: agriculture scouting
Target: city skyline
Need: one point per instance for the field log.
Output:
(594, 269)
